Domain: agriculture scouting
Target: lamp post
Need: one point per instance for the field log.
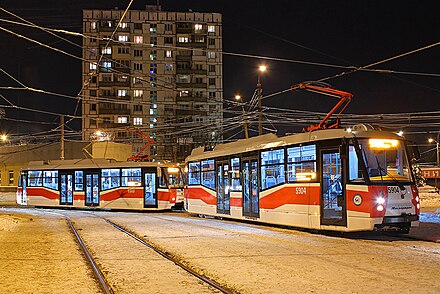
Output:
(245, 127)
(261, 69)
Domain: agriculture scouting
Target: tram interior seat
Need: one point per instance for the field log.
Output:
(270, 181)
(280, 179)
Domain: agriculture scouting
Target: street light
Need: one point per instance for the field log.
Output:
(4, 138)
(245, 127)
(431, 140)
(261, 69)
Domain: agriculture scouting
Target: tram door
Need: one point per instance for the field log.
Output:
(150, 189)
(223, 187)
(333, 208)
(66, 188)
(250, 194)
(92, 189)
(24, 187)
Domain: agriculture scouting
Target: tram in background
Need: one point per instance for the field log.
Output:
(332, 179)
(101, 184)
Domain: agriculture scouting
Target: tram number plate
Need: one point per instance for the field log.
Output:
(301, 190)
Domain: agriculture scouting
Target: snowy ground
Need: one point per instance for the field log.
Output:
(38, 254)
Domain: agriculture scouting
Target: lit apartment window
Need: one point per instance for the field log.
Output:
(153, 106)
(138, 93)
(168, 53)
(211, 29)
(153, 120)
(122, 119)
(92, 52)
(153, 28)
(137, 121)
(211, 54)
(153, 111)
(93, 66)
(183, 40)
(122, 93)
(184, 93)
(106, 50)
(109, 24)
(168, 67)
(138, 39)
(151, 126)
(198, 27)
(11, 177)
(122, 38)
(123, 25)
(137, 81)
(93, 25)
(107, 64)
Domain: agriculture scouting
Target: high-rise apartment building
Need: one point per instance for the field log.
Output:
(160, 73)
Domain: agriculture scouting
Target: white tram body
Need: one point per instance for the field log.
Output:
(333, 179)
(101, 184)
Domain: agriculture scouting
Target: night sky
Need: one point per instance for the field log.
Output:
(343, 33)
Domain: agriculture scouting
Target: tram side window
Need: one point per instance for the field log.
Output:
(272, 168)
(35, 178)
(301, 163)
(50, 179)
(110, 178)
(208, 173)
(194, 173)
(79, 180)
(235, 174)
(162, 176)
(131, 177)
(354, 170)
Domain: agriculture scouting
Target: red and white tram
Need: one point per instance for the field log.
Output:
(331, 179)
(101, 184)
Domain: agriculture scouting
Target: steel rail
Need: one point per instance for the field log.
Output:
(170, 258)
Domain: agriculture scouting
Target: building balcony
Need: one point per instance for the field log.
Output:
(184, 57)
(114, 84)
(191, 85)
(113, 111)
(191, 71)
(185, 112)
(191, 99)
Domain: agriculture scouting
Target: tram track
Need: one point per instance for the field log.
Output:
(98, 272)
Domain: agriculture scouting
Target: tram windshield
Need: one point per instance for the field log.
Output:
(386, 160)
(175, 177)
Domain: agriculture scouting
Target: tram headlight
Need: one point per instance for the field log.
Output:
(380, 201)
(380, 207)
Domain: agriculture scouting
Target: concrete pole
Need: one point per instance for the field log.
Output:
(62, 138)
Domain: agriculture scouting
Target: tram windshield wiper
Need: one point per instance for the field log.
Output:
(396, 181)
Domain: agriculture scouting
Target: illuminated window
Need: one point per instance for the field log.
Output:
(211, 54)
(153, 106)
(138, 93)
(50, 179)
(123, 25)
(208, 173)
(106, 50)
(153, 111)
(138, 39)
(194, 173)
(153, 28)
(211, 29)
(122, 93)
(131, 177)
(93, 66)
(153, 119)
(301, 163)
(93, 25)
(79, 180)
(272, 168)
(198, 27)
(107, 64)
(122, 38)
(151, 126)
(122, 119)
(183, 40)
(168, 53)
(110, 178)
(137, 121)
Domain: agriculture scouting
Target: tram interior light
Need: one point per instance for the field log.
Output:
(173, 170)
(305, 176)
(382, 143)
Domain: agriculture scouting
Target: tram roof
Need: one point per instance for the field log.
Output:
(91, 163)
(269, 141)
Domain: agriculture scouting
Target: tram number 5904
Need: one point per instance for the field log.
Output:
(301, 190)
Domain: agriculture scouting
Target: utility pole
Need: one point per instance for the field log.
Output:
(245, 123)
(62, 138)
(261, 69)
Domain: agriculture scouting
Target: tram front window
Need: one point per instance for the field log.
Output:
(386, 160)
(175, 177)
